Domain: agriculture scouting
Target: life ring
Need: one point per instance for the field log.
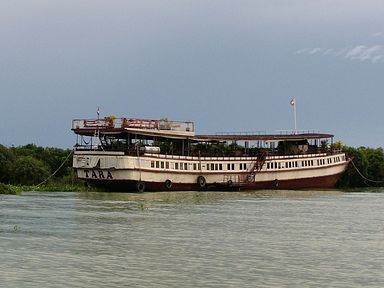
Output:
(168, 184)
(230, 182)
(201, 181)
(140, 186)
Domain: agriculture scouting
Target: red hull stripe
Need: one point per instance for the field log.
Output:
(304, 183)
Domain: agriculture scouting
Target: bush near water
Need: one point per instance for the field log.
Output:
(370, 165)
(30, 165)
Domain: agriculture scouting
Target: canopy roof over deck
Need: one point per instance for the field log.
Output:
(165, 128)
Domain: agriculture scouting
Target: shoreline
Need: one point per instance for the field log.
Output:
(9, 189)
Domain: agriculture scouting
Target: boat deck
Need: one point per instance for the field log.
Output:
(177, 129)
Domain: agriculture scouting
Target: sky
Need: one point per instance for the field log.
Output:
(226, 65)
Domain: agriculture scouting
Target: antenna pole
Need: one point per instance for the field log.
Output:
(294, 111)
(293, 103)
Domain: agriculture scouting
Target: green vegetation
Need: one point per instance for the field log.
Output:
(33, 168)
(370, 163)
(6, 189)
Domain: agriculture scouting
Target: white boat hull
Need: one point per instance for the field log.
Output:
(150, 172)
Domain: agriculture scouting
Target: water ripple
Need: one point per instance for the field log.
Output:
(192, 239)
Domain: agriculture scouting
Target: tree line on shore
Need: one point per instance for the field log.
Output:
(31, 165)
(366, 168)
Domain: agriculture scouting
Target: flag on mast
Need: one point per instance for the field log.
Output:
(98, 112)
(293, 101)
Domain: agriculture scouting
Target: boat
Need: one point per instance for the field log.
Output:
(130, 154)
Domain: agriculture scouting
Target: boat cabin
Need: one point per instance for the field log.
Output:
(140, 136)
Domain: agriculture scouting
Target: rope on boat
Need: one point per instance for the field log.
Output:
(57, 170)
(362, 176)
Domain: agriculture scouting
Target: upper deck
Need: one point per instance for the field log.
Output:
(111, 125)
(274, 137)
(179, 130)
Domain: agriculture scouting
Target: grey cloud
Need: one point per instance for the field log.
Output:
(377, 34)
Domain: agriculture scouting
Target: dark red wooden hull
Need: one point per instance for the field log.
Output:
(135, 186)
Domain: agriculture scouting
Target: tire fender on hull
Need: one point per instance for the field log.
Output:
(276, 184)
(168, 184)
(201, 182)
(140, 186)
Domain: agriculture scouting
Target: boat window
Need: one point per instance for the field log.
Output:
(176, 165)
(181, 166)
(311, 162)
(212, 166)
(185, 166)
(199, 166)
(157, 164)
(208, 166)
(228, 166)
(162, 165)
(194, 166)
(241, 166)
(152, 164)
(233, 166)
(166, 165)
(220, 166)
(268, 165)
(296, 164)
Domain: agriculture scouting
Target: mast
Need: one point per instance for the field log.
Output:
(293, 103)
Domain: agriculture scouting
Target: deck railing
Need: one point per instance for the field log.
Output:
(121, 123)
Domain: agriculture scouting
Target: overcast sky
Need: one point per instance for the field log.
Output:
(226, 65)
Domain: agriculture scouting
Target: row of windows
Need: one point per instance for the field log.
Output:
(176, 165)
(215, 166)
(281, 165)
(329, 160)
(240, 166)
